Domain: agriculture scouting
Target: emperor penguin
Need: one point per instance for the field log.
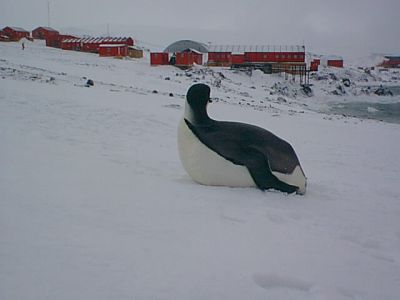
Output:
(222, 153)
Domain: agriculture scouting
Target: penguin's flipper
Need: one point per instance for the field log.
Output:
(262, 175)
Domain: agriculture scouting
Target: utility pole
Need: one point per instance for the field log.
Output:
(48, 13)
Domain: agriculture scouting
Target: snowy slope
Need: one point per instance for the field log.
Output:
(94, 202)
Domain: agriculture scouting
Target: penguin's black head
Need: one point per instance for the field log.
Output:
(198, 96)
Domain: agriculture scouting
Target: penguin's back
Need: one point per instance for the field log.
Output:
(237, 141)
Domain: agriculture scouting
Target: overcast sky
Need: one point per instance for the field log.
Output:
(342, 27)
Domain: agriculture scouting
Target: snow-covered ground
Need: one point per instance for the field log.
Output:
(94, 202)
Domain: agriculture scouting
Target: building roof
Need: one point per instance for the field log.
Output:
(46, 28)
(183, 45)
(16, 29)
(331, 57)
(97, 40)
(112, 45)
(240, 49)
(191, 50)
(135, 48)
(393, 57)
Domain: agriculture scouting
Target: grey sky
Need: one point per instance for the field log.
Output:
(333, 27)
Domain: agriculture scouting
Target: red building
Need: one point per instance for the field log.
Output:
(113, 50)
(332, 61)
(42, 33)
(390, 62)
(159, 58)
(314, 65)
(92, 44)
(236, 55)
(15, 33)
(55, 40)
(337, 63)
(223, 58)
(237, 59)
(4, 37)
(188, 58)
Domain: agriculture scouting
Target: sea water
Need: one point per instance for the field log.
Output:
(387, 112)
(386, 109)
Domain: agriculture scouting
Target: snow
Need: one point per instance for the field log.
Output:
(112, 45)
(95, 203)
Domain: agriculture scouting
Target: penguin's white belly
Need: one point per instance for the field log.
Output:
(206, 166)
(296, 178)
